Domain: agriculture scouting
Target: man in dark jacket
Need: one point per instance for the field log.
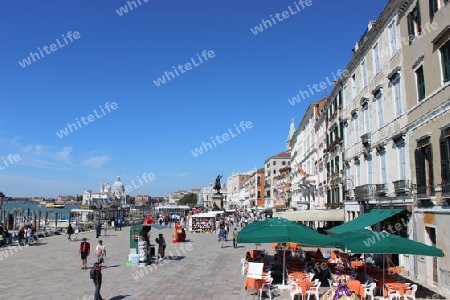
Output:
(97, 281)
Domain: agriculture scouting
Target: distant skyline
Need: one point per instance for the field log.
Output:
(124, 88)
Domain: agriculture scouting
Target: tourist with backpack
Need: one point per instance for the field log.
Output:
(84, 251)
(96, 276)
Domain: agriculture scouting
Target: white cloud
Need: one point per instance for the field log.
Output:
(96, 161)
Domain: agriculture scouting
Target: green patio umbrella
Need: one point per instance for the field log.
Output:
(280, 230)
(367, 241)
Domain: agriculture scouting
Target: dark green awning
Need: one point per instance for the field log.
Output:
(367, 219)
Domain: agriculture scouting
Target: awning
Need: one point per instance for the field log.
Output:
(313, 215)
(211, 214)
(368, 219)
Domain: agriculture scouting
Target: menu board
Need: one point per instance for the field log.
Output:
(255, 270)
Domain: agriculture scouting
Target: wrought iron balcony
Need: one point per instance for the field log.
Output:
(445, 190)
(401, 186)
(382, 189)
(425, 192)
(365, 192)
(366, 139)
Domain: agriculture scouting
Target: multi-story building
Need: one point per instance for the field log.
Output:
(303, 160)
(234, 185)
(255, 186)
(374, 117)
(425, 33)
(334, 148)
(272, 165)
(320, 127)
(174, 197)
(281, 188)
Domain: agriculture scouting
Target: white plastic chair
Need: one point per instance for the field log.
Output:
(392, 294)
(295, 290)
(411, 294)
(313, 291)
(265, 287)
(311, 276)
(369, 290)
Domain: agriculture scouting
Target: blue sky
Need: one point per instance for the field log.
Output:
(116, 59)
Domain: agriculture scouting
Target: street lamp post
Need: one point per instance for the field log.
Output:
(2, 197)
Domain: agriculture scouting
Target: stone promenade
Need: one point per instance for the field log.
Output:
(197, 269)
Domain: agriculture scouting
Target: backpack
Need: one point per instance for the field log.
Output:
(84, 247)
(92, 272)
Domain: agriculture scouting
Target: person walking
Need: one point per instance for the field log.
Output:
(97, 279)
(161, 246)
(235, 234)
(120, 221)
(100, 252)
(77, 230)
(70, 231)
(98, 229)
(105, 227)
(84, 251)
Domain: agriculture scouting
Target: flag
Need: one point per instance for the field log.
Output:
(301, 171)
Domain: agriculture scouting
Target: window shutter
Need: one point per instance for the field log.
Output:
(419, 21)
(419, 168)
(445, 164)
(429, 158)
(411, 34)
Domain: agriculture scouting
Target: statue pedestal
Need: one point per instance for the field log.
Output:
(218, 200)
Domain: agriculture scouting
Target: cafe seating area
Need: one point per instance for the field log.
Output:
(307, 271)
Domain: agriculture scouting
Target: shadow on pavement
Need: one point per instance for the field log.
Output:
(119, 297)
(175, 257)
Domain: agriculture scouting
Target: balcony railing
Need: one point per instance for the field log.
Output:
(381, 189)
(366, 139)
(425, 192)
(365, 192)
(401, 186)
(446, 190)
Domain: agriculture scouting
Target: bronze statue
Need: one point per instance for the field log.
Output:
(218, 186)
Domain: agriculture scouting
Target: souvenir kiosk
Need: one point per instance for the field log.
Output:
(204, 222)
(140, 245)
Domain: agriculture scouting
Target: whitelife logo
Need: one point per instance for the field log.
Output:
(280, 17)
(11, 159)
(86, 120)
(221, 139)
(71, 36)
(187, 66)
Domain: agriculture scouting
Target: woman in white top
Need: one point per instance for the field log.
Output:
(100, 252)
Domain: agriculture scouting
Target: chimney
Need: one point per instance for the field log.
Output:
(370, 25)
(335, 83)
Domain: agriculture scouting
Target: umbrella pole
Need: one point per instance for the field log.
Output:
(384, 263)
(284, 265)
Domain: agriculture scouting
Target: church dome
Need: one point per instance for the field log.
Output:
(118, 185)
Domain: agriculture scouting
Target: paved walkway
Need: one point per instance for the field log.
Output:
(198, 269)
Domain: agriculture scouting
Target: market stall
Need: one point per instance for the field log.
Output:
(204, 222)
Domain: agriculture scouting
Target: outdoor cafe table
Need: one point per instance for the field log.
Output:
(299, 275)
(400, 287)
(357, 287)
(254, 283)
(305, 285)
(356, 264)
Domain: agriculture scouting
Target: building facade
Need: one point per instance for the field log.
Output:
(272, 166)
(303, 160)
(234, 186)
(425, 35)
(204, 197)
(377, 172)
(320, 127)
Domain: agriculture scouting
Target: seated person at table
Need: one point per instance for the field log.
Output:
(369, 259)
(264, 259)
(248, 257)
(327, 255)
